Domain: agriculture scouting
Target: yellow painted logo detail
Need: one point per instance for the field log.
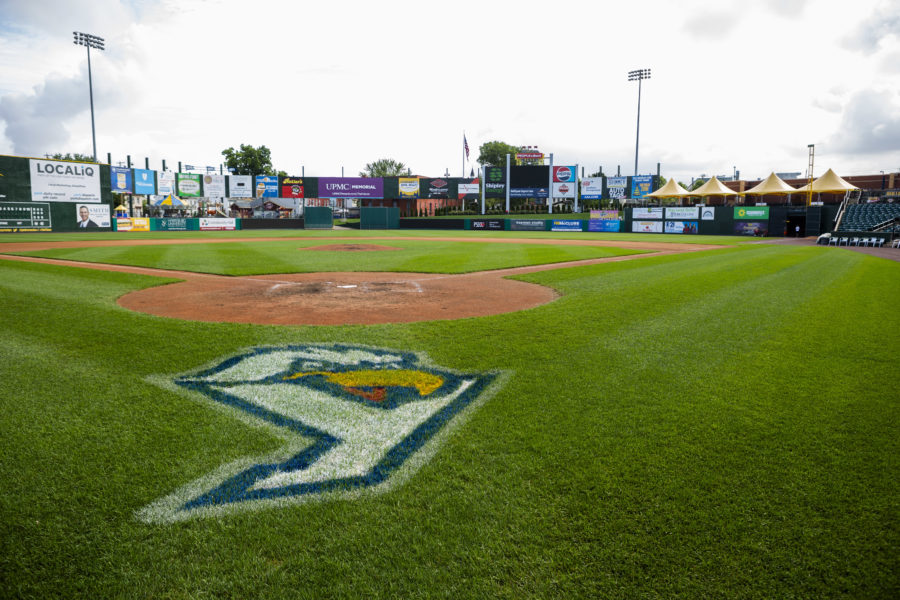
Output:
(424, 383)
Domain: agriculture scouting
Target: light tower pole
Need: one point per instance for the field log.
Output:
(90, 41)
(639, 75)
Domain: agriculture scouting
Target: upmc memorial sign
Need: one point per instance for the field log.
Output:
(351, 187)
(53, 181)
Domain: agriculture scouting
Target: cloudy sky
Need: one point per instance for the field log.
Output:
(331, 85)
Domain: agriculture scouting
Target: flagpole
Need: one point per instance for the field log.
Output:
(464, 155)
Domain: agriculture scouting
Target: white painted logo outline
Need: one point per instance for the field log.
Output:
(341, 439)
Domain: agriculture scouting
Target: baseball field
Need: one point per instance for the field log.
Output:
(421, 415)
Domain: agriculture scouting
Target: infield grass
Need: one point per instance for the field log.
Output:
(714, 424)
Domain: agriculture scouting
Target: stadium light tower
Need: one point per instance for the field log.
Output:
(638, 75)
(90, 41)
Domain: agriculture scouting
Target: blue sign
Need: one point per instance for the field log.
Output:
(144, 182)
(567, 225)
(120, 180)
(641, 185)
(266, 186)
(528, 193)
(606, 225)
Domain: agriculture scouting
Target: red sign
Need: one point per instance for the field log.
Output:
(529, 155)
(292, 191)
(561, 174)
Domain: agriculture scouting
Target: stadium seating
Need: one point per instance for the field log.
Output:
(866, 217)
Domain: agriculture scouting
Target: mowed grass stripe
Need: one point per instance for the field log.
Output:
(240, 258)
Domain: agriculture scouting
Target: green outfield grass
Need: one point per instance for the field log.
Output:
(712, 424)
(299, 256)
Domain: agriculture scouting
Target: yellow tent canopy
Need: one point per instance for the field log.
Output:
(121, 207)
(770, 185)
(829, 183)
(713, 187)
(671, 190)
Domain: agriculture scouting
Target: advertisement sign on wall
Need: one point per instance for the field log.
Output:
(565, 225)
(173, 224)
(218, 224)
(603, 225)
(438, 188)
(266, 186)
(681, 227)
(351, 187)
(564, 183)
(605, 215)
(409, 187)
(528, 193)
(165, 183)
(495, 182)
(214, 186)
(53, 181)
(528, 225)
(708, 213)
(120, 180)
(617, 187)
(144, 182)
(682, 212)
(88, 216)
(592, 189)
(240, 186)
(135, 224)
(469, 190)
(647, 226)
(292, 187)
(641, 185)
(188, 185)
(751, 212)
(647, 213)
(751, 228)
(493, 224)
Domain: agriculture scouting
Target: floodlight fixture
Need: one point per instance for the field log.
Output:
(638, 75)
(98, 43)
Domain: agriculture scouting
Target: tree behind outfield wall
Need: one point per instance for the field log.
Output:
(249, 160)
(384, 167)
(494, 153)
(75, 156)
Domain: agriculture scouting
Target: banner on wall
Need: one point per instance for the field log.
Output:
(528, 225)
(89, 216)
(240, 186)
(218, 224)
(409, 187)
(647, 213)
(641, 185)
(438, 188)
(689, 227)
(214, 186)
(592, 189)
(751, 212)
(466, 190)
(565, 225)
(529, 193)
(351, 187)
(605, 225)
(564, 183)
(495, 182)
(120, 180)
(165, 185)
(266, 186)
(54, 181)
(144, 182)
(134, 224)
(617, 187)
(752, 228)
(708, 213)
(292, 187)
(647, 226)
(188, 185)
(680, 213)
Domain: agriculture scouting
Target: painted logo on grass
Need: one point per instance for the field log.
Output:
(353, 419)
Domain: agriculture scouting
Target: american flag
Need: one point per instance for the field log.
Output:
(466, 145)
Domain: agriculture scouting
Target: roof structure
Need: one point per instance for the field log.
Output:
(770, 185)
(672, 189)
(830, 182)
(713, 187)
